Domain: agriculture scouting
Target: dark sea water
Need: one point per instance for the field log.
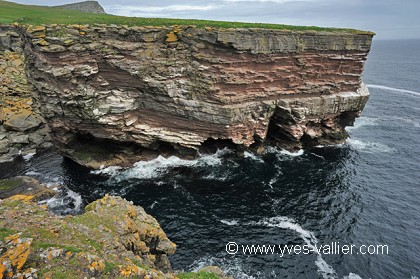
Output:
(365, 192)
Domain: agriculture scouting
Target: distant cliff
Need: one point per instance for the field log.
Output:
(85, 6)
(113, 95)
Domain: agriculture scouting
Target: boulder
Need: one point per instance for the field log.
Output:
(23, 121)
(24, 185)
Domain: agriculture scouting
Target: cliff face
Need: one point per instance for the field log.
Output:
(22, 129)
(113, 93)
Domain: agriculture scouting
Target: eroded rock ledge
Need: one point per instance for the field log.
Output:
(113, 95)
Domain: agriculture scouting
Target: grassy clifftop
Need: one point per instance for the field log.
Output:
(37, 15)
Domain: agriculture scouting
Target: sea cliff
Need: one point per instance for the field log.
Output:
(113, 94)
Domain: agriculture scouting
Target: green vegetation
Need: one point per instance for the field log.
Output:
(197, 275)
(5, 232)
(7, 184)
(109, 267)
(37, 15)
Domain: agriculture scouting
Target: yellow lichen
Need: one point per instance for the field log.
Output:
(131, 270)
(15, 255)
(23, 198)
(97, 266)
(171, 37)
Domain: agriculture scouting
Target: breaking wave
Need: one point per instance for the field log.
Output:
(232, 222)
(363, 122)
(309, 238)
(394, 89)
(369, 147)
(160, 166)
(283, 153)
(231, 266)
(67, 202)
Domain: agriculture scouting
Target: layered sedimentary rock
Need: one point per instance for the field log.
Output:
(22, 129)
(113, 93)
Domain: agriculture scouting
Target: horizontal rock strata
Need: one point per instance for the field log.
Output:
(174, 90)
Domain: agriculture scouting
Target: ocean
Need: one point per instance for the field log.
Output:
(363, 193)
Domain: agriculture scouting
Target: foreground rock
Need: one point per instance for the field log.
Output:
(112, 239)
(25, 186)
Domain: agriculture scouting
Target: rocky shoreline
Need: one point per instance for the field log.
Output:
(111, 239)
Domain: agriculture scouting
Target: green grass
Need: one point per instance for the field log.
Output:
(5, 232)
(109, 267)
(37, 15)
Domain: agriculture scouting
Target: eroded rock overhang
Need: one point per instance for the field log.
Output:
(175, 89)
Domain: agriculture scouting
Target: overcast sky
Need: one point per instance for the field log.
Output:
(390, 19)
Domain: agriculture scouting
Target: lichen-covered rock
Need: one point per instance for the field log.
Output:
(20, 122)
(113, 238)
(16, 251)
(26, 186)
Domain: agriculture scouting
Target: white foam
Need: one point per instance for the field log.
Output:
(283, 152)
(287, 223)
(275, 178)
(61, 203)
(338, 145)
(28, 156)
(352, 276)
(392, 89)
(309, 238)
(362, 122)
(160, 165)
(231, 266)
(153, 204)
(112, 170)
(318, 156)
(34, 173)
(252, 156)
(369, 147)
(232, 222)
